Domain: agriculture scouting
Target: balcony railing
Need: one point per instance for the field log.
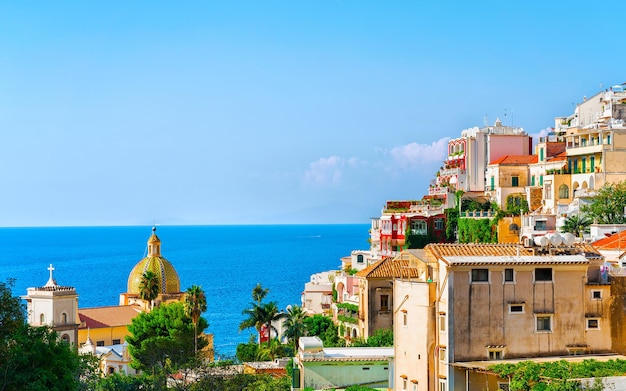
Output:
(478, 214)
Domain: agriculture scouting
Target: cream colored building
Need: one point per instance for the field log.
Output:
(495, 303)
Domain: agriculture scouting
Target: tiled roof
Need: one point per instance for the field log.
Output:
(440, 250)
(560, 157)
(99, 317)
(514, 160)
(389, 268)
(614, 242)
(517, 260)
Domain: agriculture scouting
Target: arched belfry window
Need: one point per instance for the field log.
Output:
(64, 318)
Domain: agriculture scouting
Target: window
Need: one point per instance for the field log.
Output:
(584, 162)
(563, 191)
(404, 318)
(404, 383)
(111, 370)
(439, 224)
(64, 318)
(543, 274)
(596, 295)
(442, 354)
(442, 322)
(508, 275)
(517, 308)
(532, 180)
(496, 354)
(418, 227)
(513, 229)
(504, 387)
(99, 343)
(540, 225)
(544, 323)
(384, 302)
(42, 319)
(592, 163)
(480, 275)
(548, 190)
(593, 324)
(65, 338)
(443, 385)
(359, 258)
(493, 184)
(540, 180)
(514, 181)
(117, 342)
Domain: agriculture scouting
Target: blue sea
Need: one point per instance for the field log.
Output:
(227, 261)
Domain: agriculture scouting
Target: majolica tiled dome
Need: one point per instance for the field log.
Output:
(168, 278)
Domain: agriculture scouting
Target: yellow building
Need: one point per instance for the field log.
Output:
(106, 325)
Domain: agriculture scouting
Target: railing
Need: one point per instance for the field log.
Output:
(478, 213)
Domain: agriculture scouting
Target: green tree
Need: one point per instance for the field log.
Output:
(163, 339)
(577, 225)
(607, 206)
(323, 327)
(195, 305)
(259, 293)
(261, 315)
(379, 338)
(37, 360)
(149, 287)
(294, 325)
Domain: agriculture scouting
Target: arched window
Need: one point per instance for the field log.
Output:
(359, 258)
(513, 229)
(42, 319)
(65, 338)
(64, 318)
(563, 191)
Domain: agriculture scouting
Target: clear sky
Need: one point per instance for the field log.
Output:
(263, 112)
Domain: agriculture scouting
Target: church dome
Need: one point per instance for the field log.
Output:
(168, 278)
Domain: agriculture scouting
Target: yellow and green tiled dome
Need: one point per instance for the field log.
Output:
(154, 262)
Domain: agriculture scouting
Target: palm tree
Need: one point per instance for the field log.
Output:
(294, 325)
(259, 293)
(149, 287)
(577, 225)
(195, 305)
(270, 314)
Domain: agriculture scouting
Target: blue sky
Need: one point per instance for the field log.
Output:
(264, 112)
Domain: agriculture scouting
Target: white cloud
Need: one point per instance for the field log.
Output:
(325, 171)
(542, 133)
(415, 155)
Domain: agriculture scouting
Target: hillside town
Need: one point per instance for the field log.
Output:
(485, 268)
(509, 258)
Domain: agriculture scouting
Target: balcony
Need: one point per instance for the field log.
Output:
(478, 214)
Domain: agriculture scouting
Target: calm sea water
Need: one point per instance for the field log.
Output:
(227, 261)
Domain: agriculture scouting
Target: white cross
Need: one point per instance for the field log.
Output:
(51, 269)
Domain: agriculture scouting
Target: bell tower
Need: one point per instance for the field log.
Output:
(55, 306)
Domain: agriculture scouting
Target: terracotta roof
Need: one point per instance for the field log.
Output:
(440, 250)
(99, 317)
(514, 160)
(515, 260)
(616, 241)
(561, 156)
(389, 268)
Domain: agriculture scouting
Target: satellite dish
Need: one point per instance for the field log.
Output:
(556, 239)
(568, 239)
(541, 241)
